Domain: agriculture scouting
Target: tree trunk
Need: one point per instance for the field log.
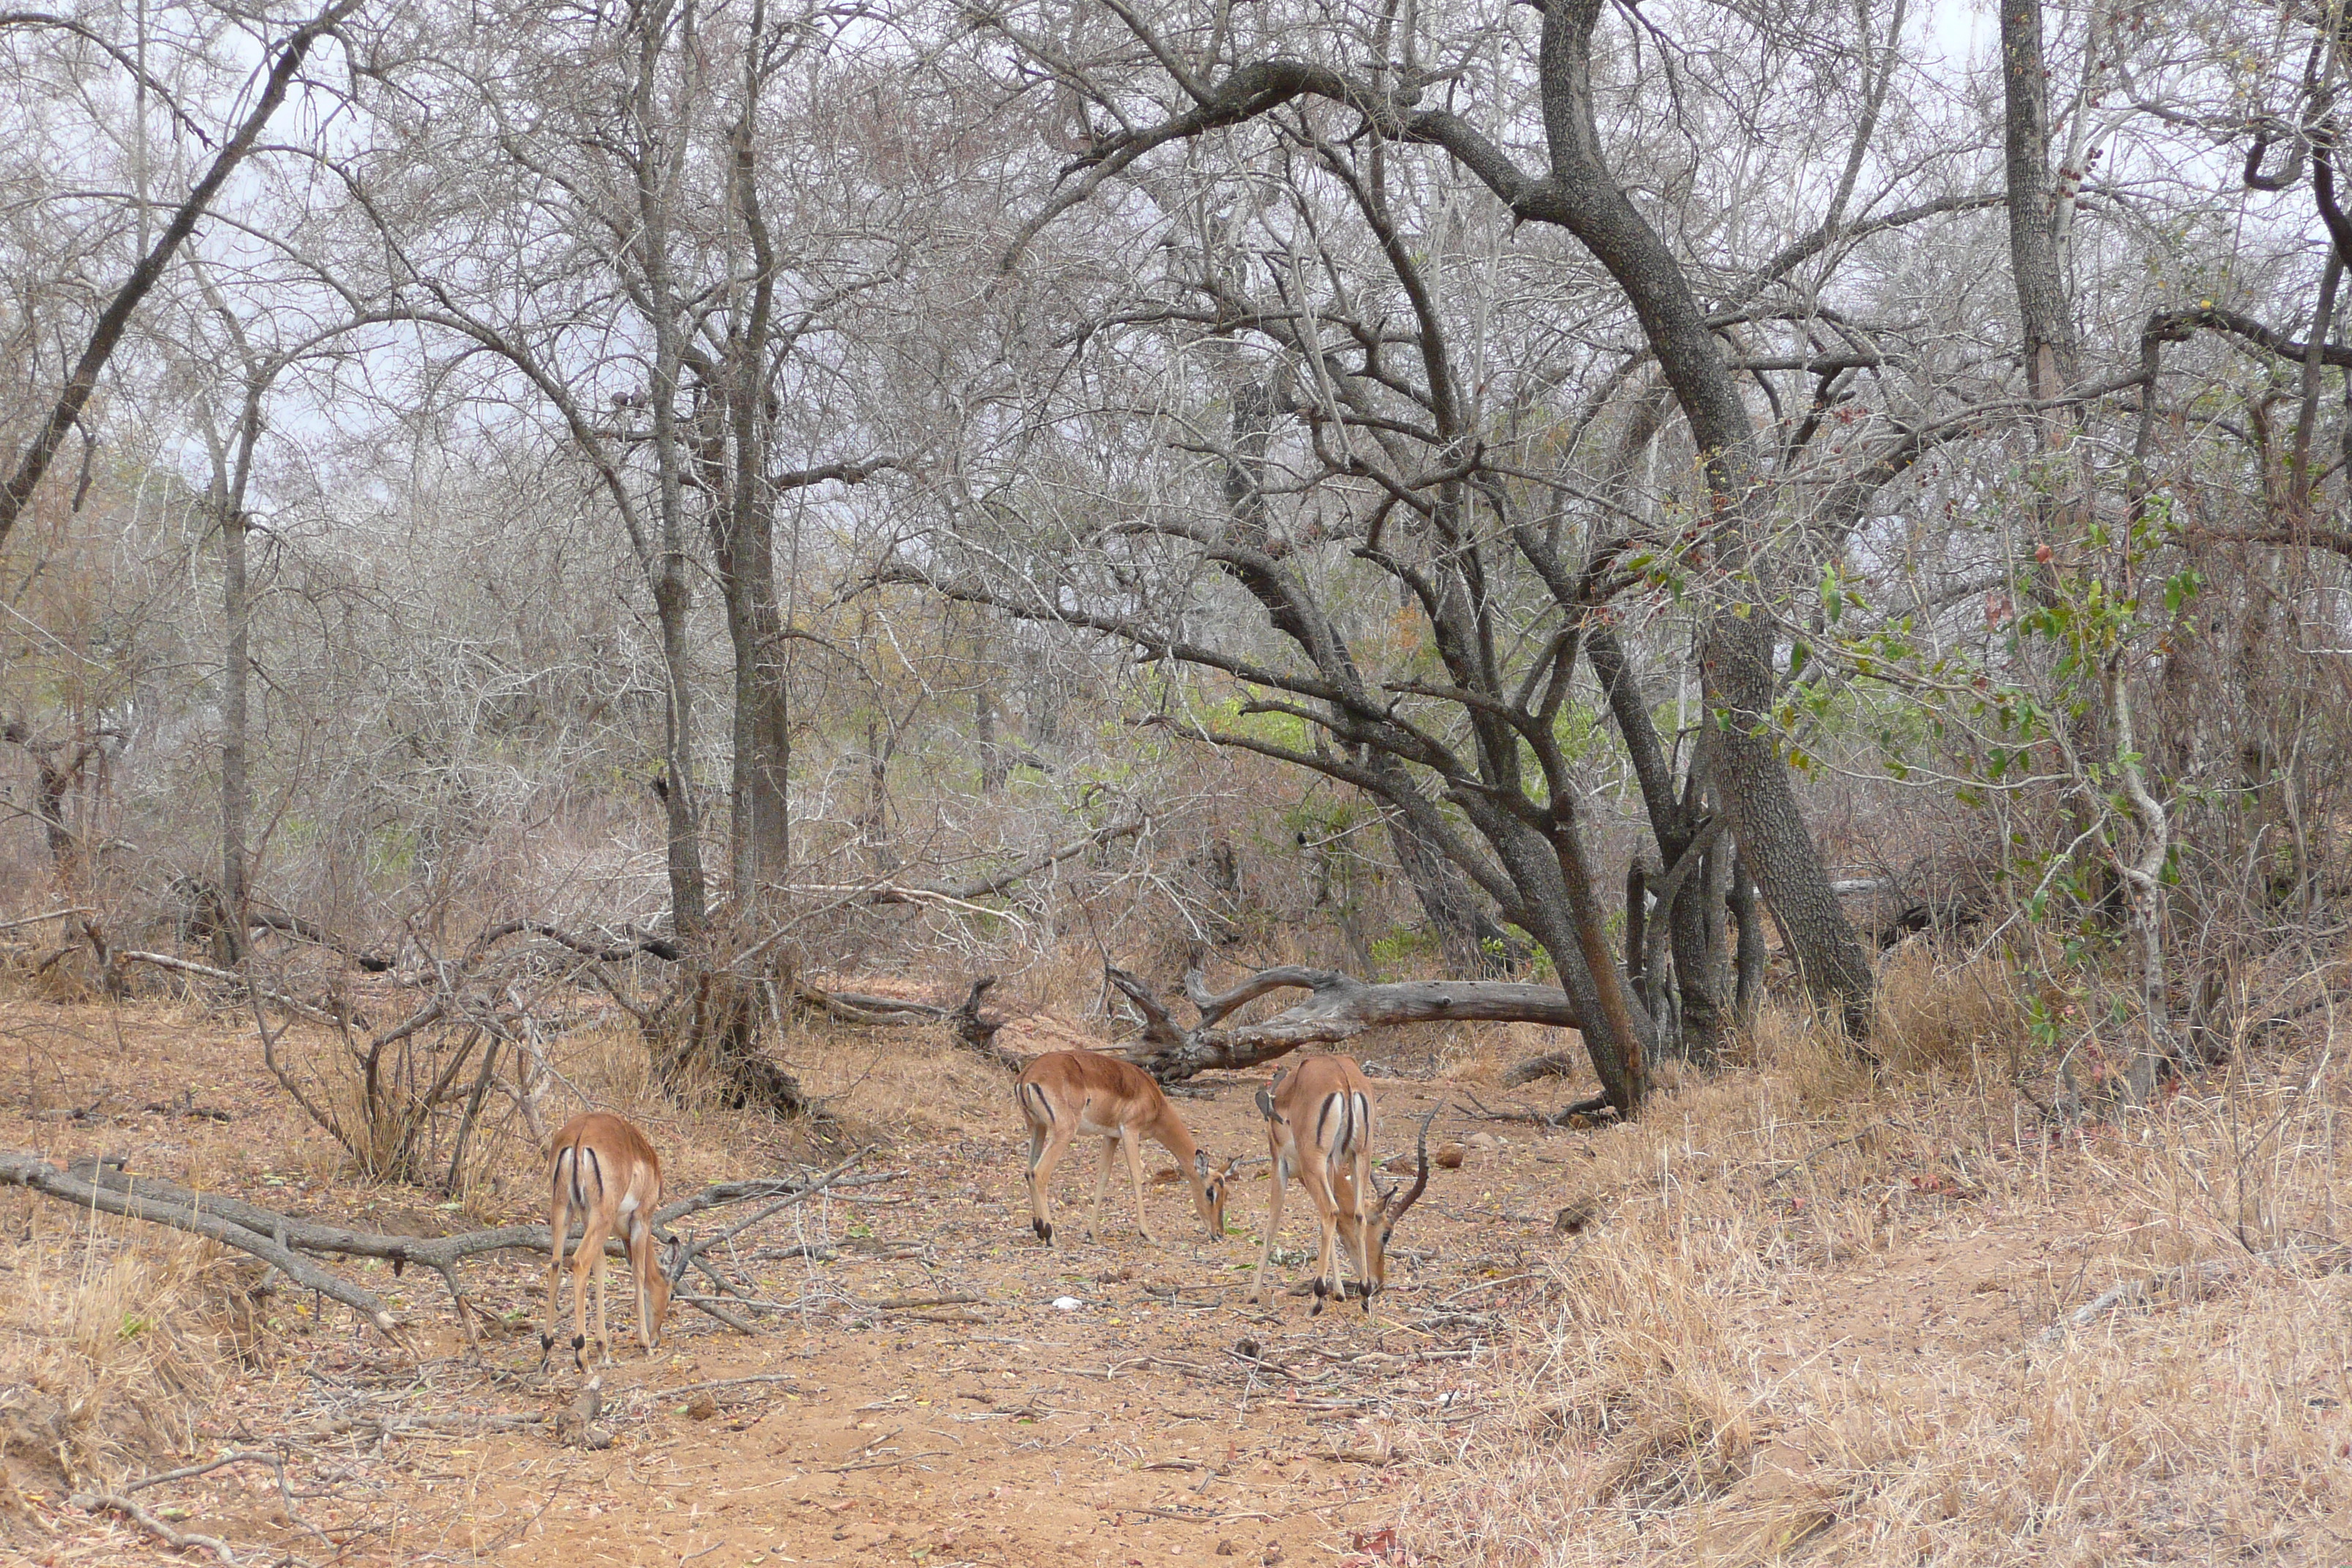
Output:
(2053, 354)
(1748, 951)
(1472, 942)
(758, 792)
(1689, 1014)
(228, 933)
(1761, 807)
(1735, 661)
(758, 795)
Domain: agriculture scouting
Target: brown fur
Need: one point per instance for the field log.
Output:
(601, 1167)
(1063, 1093)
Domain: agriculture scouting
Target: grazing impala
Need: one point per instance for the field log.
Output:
(1318, 1128)
(1064, 1093)
(606, 1172)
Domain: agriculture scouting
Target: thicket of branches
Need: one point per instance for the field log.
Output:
(1563, 494)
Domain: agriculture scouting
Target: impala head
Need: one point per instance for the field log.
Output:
(676, 1254)
(1216, 1183)
(1382, 1222)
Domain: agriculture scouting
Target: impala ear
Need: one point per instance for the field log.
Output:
(676, 1256)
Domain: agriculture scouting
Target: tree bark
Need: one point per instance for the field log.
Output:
(1736, 661)
(2053, 352)
(235, 803)
(1748, 951)
(1338, 1007)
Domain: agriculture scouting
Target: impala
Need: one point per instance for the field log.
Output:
(606, 1172)
(1318, 1128)
(1064, 1093)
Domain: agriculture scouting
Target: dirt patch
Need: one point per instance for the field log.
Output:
(1795, 1313)
(915, 1394)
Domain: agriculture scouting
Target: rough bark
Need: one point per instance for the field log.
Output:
(2052, 352)
(1735, 661)
(1775, 845)
(1337, 1007)
(1748, 950)
(228, 934)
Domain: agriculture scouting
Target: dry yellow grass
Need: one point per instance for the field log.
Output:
(111, 1337)
(1810, 1321)
(1806, 1319)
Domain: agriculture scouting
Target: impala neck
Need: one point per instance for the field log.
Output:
(1177, 1139)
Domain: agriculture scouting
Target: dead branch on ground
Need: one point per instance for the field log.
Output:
(1338, 1007)
(288, 1244)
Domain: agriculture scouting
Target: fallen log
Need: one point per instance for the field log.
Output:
(282, 1240)
(973, 1031)
(1337, 1007)
(31, 1170)
(227, 977)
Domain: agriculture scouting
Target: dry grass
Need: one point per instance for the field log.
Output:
(1809, 1323)
(110, 1339)
(1805, 1321)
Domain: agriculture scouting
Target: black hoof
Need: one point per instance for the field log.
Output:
(578, 1343)
(1044, 1231)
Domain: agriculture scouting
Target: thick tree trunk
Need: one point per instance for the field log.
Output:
(2053, 353)
(758, 793)
(1735, 661)
(1748, 950)
(1774, 841)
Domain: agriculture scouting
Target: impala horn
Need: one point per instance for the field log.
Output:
(1420, 1182)
(681, 1251)
(1265, 1096)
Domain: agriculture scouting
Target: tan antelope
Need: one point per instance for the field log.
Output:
(1064, 1093)
(606, 1172)
(1318, 1128)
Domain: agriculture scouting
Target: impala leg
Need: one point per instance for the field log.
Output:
(1355, 1224)
(1281, 1182)
(1318, 1187)
(1102, 1186)
(604, 1333)
(1134, 1147)
(588, 1258)
(641, 1265)
(559, 1223)
(1048, 1142)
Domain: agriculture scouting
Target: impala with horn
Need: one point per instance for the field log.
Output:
(1318, 1128)
(606, 1172)
(1064, 1093)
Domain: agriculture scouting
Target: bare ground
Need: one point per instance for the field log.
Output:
(1792, 1314)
